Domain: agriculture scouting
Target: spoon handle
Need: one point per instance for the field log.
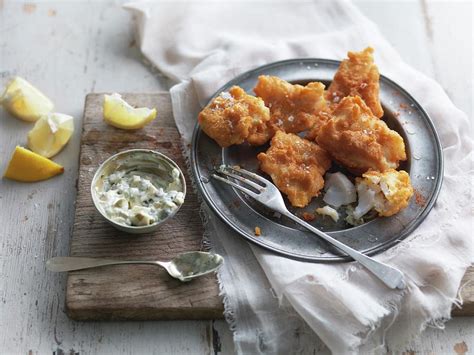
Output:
(69, 263)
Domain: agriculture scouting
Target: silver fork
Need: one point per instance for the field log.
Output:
(268, 194)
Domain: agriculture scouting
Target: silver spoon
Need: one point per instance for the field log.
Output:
(184, 267)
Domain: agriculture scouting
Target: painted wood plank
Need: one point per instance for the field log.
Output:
(69, 49)
(401, 24)
(450, 43)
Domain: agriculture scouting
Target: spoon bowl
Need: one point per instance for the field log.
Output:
(187, 266)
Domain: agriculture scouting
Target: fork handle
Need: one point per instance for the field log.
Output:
(389, 275)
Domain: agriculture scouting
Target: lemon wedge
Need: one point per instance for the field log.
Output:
(50, 134)
(27, 166)
(120, 114)
(24, 101)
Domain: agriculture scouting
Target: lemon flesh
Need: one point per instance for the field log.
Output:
(27, 166)
(120, 114)
(50, 134)
(24, 101)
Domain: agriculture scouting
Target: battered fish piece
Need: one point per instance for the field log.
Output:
(357, 76)
(296, 166)
(358, 140)
(388, 192)
(293, 108)
(234, 117)
(323, 117)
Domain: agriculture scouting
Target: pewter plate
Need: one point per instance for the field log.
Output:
(402, 113)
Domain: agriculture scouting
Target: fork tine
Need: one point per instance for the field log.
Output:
(237, 186)
(249, 173)
(244, 180)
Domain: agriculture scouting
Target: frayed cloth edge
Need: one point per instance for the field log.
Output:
(206, 244)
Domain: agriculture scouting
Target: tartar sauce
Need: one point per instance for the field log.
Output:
(137, 198)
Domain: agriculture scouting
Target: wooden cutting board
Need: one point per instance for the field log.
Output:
(132, 292)
(135, 291)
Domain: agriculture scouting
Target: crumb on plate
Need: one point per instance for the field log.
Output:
(328, 211)
(308, 216)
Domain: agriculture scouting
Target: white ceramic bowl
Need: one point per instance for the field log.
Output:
(130, 159)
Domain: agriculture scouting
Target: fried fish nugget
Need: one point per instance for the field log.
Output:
(296, 166)
(357, 76)
(388, 192)
(234, 117)
(323, 117)
(360, 141)
(293, 108)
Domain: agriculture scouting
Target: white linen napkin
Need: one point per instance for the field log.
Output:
(202, 45)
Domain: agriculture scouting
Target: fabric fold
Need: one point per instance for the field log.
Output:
(274, 304)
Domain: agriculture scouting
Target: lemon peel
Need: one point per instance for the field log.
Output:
(25, 101)
(27, 166)
(120, 114)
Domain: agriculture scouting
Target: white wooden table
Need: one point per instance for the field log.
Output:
(70, 48)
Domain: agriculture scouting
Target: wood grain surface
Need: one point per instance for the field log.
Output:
(138, 292)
